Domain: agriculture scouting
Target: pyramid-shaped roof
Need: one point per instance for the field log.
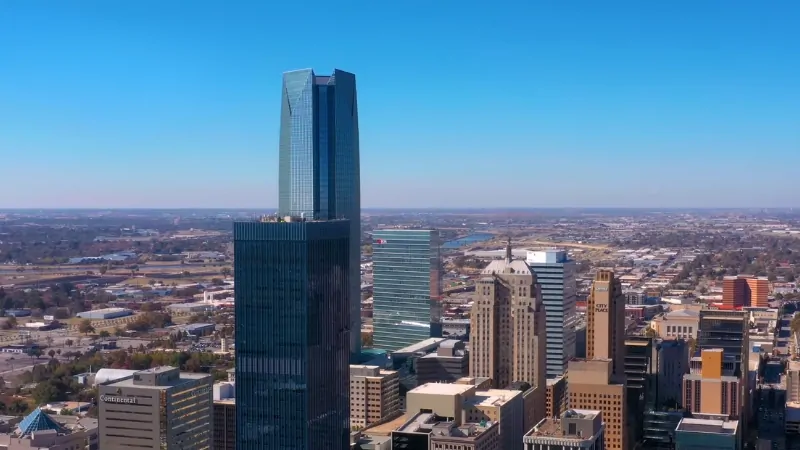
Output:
(37, 421)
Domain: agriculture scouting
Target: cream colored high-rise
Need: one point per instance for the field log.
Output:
(508, 336)
(605, 323)
(374, 395)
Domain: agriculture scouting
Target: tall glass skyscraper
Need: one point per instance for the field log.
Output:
(407, 286)
(319, 162)
(556, 275)
(292, 336)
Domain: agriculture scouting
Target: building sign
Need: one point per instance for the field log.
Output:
(120, 400)
(601, 308)
(51, 318)
(601, 289)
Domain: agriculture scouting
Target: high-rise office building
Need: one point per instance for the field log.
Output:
(745, 290)
(319, 165)
(605, 329)
(728, 330)
(406, 287)
(292, 334)
(156, 409)
(591, 386)
(710, 387)
(556, 275)
(508, 334)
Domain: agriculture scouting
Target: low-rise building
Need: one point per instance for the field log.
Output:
(682, 323)
(575, 429)
(466, 404)
(429, 431)
(693, 434)
(39, 431)
(449, 363)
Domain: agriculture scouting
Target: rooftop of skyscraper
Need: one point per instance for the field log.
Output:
(554, 427)
(710, 426)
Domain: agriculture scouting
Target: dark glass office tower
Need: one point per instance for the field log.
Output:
(292, 334)
(319, 162)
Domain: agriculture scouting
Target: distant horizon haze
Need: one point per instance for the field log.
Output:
(152, 104)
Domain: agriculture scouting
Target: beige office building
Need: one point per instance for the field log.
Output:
(508, 339)
(711, 387)
(374, 395)
(592, 387)
(464, 403)
(556, 396)
(605, 323)
(575, 429)
(678, 324)
(157, 409)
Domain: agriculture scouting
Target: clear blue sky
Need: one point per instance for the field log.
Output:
(153, 103)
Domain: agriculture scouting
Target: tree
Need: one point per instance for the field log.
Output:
(69, 343)
(226, 271)
(185, 273)
(104, 334)
(34, 352)
(103, 269)
(119, 332)
(12, 321)
(651, 333)
(85, 326)
(49, 340)
(52, 353)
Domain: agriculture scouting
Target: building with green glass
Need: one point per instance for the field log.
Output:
(406, 287)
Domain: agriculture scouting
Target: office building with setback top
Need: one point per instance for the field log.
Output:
(406, 287)
(292, 334)
(156, 409)
(319, 170)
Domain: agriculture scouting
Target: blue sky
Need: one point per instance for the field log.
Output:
(151, 103)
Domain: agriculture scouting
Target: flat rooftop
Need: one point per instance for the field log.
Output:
(442, 389)
(492, 397)
(385, 429)
(427, 344)
(184, 378)
(551, 427)
(710, 426)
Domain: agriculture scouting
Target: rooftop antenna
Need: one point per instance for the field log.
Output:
(508, 246)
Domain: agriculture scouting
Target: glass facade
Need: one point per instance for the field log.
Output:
(292, 335)
(407, 286)
(319, 168)
(557, 280)
(726, 330)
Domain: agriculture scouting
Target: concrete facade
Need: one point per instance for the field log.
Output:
(575, 429)
(157, 409)
(508, 340)
(374, 395)
(591, 387)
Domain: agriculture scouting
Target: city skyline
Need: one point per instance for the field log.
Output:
(103, 101)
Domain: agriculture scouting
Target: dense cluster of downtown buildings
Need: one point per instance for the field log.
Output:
(521, 379)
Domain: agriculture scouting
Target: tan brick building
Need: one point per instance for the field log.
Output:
(591, 387)
(374, 395)
(508, 339)
(711, 387)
